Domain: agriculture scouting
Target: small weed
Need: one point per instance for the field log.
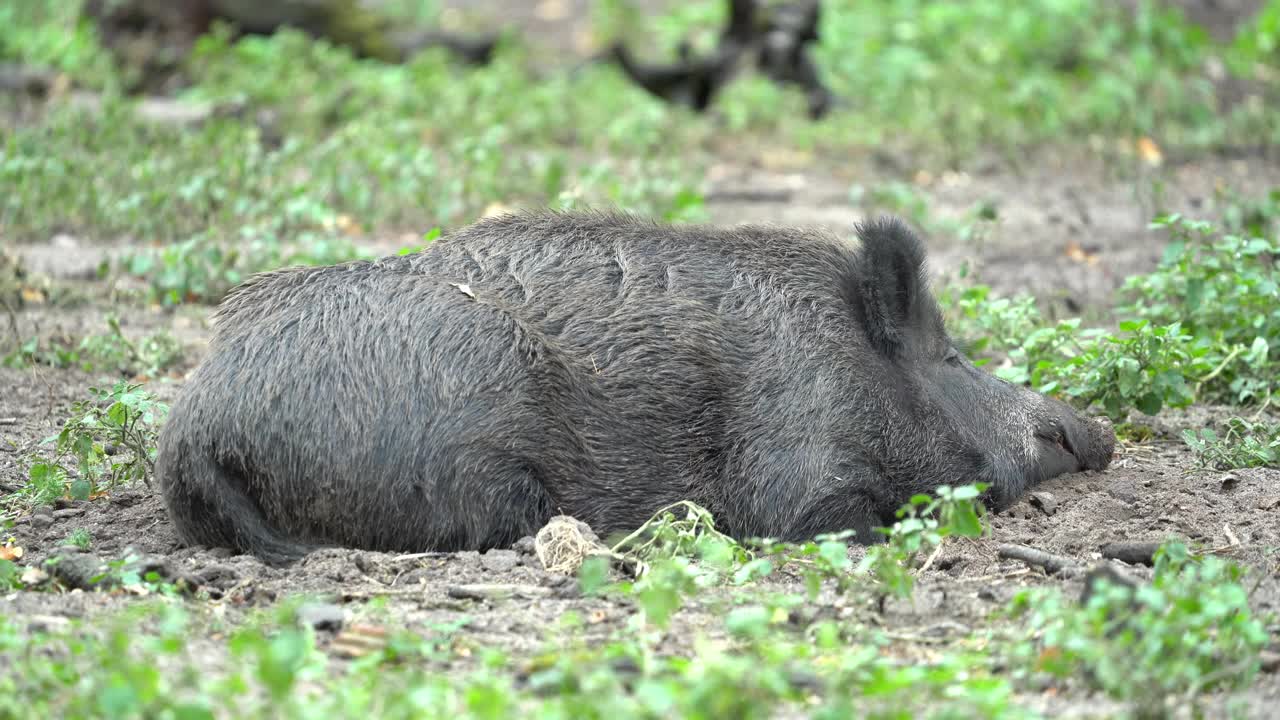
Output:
(922, 526)
(113, 352)
(1200, 327)
(109, 440)
(79, 538)
(1146, 367)
(666, 536)
(201, 270)
(683, 555)
(1190, 631)
(1243, 444)
(1224, 290)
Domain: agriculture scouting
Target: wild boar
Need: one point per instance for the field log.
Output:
(791, 381)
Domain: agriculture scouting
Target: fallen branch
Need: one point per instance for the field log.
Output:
(1134, 553)
(777, 37)
(497, 592)
(1051, 563)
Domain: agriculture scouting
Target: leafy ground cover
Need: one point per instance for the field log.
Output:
(1094, 182)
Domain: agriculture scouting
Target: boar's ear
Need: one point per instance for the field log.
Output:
(890, 283)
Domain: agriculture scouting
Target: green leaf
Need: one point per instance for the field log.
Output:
(1128, 375)
(964, 520)
(1258, 352)
(836, 554)
(1150, 403)
(280, 660)
(1130, 326)
(750, 622)
(189, 711)
(40, 473)
(80, 489)
(753, 570)
(593, 574)
(118, 414)
(9, 575)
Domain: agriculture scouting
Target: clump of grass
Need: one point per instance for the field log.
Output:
(79, 538)
(1224, 289)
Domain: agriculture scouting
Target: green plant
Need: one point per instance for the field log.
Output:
(1200, 327)
(988, 325)
(1243, 444)
(79, 538)
(1224, 290)
(1147, 368)
(112, 352)
(201, 270)
(109, 440)
(922, 526)
(1258, 40)
(1190, 631)
(9, 575)
(665, 535)
(51, 35)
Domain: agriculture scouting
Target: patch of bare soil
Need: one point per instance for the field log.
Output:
(1069, 229)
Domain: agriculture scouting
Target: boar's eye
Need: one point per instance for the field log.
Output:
(953, 356)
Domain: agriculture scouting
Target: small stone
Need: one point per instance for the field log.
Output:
(146, 565)
(525, 545)
(1046, 502)
(499, 561)
(365, 563)
(467, 558)
(1229, 483)
(33, 576)
(415, 576)
(41, 520)
(67, 513)
(321, 616)
(78, 570)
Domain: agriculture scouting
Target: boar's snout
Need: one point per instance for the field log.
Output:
(1100, 443)
(1090, 442)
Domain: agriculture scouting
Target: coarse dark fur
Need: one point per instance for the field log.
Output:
(600, 366)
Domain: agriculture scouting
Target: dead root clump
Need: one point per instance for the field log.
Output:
(565, 542)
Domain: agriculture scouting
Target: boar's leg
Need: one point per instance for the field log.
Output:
(209, 506)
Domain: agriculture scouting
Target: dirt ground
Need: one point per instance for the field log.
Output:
(1056, 202)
